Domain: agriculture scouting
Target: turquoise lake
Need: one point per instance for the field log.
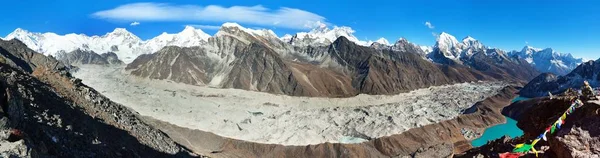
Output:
(509, 128)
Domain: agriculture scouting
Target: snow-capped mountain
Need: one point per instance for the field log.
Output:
(323, 36)
(383, 41)
(122, 42)
(548, 60)
(128, 46)
(187, 38)
(548, 82)
(448, 46)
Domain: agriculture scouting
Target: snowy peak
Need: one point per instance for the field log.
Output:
(192, 32)
(383, 41)
(529, 50)
(548, 60)
(448, 46)
(122, 32)
(324, 36)
(188, 37)
(471, 42)
(233, 28)
(446, 41)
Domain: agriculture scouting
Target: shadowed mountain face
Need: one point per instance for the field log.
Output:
(235, 59)
(186, 65)
(547, 82)
(57, 116)
(17, 55)
(78, 57)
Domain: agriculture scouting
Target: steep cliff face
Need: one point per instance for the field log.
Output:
(17, 55)
(541, 85)
(57, 116)
(78, 57)
(186, 65)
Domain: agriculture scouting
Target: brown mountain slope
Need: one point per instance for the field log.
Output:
(341, 70)
(58, 116)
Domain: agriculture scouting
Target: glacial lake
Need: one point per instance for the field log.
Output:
(509, 128)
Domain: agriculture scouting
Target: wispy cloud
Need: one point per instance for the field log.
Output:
(434, 34)
(135, 23)
(206, 27)
(429, 25)
(254, 15)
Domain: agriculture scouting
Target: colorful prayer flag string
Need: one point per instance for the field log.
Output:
(523, 148)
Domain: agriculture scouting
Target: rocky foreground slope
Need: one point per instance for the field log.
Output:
(47, 113)
(579, 137)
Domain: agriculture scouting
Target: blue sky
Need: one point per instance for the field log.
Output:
(567, 26)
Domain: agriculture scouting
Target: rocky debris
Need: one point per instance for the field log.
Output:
(471, 134)
(186, 65)
(541, 85)
(78, 57)
(443, 150)
(439, 139)
(578, 137)
(287, 120)
(580, 140)
(53, 114)
(18, 55)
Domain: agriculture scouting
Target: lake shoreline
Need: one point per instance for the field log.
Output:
(509, 127)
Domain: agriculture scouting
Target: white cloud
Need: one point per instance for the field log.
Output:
(434, 34)
(254, 15)
(135, 23)
(206, 27)
(429, 25)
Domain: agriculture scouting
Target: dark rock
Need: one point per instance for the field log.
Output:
(79, 57)
(541, 85)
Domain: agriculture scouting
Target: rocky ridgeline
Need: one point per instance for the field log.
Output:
(548, 82)
(579, 137)
(79, 57)
(47, 113)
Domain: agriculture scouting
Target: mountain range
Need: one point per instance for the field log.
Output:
(552, 83)
(322, 62)
(127, 46)
(237, 57)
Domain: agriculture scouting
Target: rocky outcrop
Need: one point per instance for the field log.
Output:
(17, 55)
(54, 114)
(578, 137)
(541, 85)
(78, 57)
(186, 65)
(582, 139)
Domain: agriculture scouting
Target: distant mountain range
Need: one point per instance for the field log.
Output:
(310, 64)
(128, 46)
(551, 83)
(322, 62)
